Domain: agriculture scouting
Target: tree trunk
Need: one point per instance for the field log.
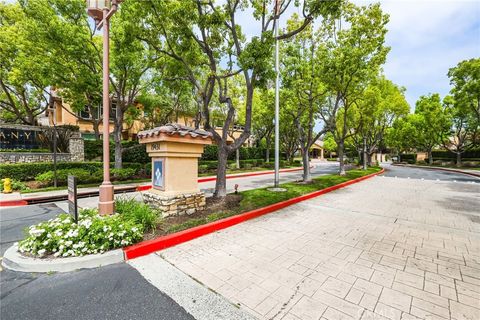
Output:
(307, 177)
(118, 138)
(430, 158)
(237, 158)
(369, 159)
(459, 159)
(96, 129)
(267, 152)
(221, 182)
(341, 170)
(364, 165)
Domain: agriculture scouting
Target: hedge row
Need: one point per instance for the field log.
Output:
(408, 157)
(467, 155)
(132, 151)
(211, 153)
(29, 171)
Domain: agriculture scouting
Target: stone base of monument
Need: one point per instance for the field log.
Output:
(175, 205)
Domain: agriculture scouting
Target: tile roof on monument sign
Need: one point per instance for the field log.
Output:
(175, 129)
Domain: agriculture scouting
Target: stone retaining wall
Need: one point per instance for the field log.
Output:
(75, 148)
(175, 205)
(29, 157)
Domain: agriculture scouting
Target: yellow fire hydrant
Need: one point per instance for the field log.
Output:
(7, 185)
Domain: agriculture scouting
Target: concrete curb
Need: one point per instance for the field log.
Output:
(13, 260)
(196, 298)
(163, 242)
(440, 169)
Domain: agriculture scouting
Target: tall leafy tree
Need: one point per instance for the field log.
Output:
(465, 78)
(430, 122)
(302, 82)
(24, 86)
(382, 102)
(464, 128)
(263, 123)
(354, 55)
(205, 40)
(68, 52)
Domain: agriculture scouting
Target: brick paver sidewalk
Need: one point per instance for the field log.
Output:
(384, 248)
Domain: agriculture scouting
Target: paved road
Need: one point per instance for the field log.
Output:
(427, 174)
(14, 220)
(112, 292)
(383, 248)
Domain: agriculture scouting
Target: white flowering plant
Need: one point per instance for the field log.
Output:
(62, 237)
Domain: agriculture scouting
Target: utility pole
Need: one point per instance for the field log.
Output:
(277, 98)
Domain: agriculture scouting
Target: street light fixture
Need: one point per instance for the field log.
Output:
(101, 11)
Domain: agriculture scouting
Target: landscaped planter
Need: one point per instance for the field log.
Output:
(195, 227)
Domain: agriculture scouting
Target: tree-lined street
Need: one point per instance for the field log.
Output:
(354, 251)
(337, 145)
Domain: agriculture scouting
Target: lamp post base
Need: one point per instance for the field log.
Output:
(106, 203)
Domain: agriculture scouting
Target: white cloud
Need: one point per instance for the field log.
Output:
(427, 38)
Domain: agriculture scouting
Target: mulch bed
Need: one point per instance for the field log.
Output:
(229, 203)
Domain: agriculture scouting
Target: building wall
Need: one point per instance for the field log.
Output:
(64, 117)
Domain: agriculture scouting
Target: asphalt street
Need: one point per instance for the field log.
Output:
(14, 220)
(427, 174)
(111, 292)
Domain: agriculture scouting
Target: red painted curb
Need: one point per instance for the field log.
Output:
(149, 246)
(13, 203)
(442, 169)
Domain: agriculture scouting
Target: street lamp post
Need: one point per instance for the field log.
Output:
(277, 99)
(101, 11)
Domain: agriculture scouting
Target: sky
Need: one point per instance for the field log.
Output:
(427, 37)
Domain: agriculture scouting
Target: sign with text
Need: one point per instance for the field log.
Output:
(158, 171)
(19, 138)
(72, 197)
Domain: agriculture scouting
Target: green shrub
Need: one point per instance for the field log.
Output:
(62, 237)
(16, 185)
(123, 174)
(450, 156)
(136, 153)
(28, 171)
(139, 213)
(83, 176)
(93, 149)
(408, 157)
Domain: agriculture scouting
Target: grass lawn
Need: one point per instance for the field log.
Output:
(252, 199)
(89, 185)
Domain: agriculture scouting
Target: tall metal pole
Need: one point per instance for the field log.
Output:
(55, 177)
(106, 204)
(277, 100)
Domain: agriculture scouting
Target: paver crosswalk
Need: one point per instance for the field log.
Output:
(382, 249)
